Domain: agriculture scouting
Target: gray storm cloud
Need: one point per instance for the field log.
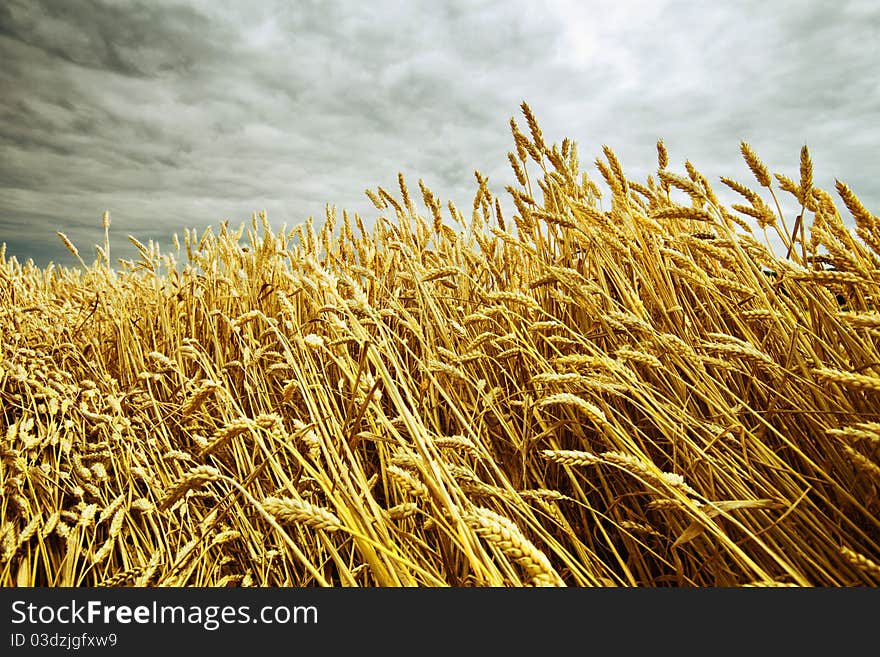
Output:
(181, 114)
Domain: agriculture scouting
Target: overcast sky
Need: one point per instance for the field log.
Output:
(182, 113)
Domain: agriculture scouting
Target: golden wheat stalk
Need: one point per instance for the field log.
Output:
(195, 478)
(294, 511)
(205, 389)
(567, 399)
(861, 562)
(227, 433)
(407, 481)
(570, 457)
(507, 537)
(848, 379)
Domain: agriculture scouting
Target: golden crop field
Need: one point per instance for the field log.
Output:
(628, 388)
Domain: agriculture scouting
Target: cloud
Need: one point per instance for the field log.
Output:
(178, 113)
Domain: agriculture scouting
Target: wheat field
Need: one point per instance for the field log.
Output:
(628, 387)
